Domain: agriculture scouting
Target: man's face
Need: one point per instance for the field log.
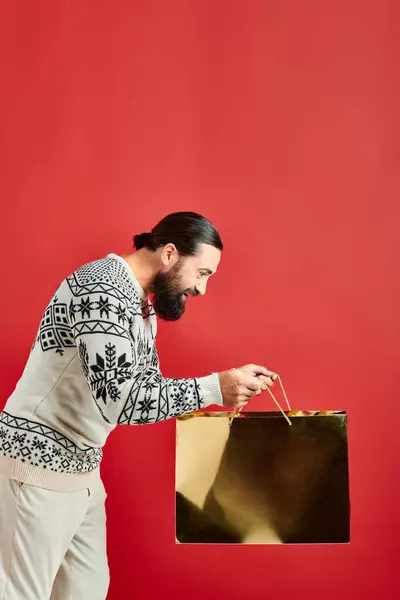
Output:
(187, 277)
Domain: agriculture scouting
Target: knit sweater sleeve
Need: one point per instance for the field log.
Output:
(123, 372)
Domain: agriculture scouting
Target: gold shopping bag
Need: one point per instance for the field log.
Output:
(262, 477)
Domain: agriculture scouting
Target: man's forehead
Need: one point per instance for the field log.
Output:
(207, 258)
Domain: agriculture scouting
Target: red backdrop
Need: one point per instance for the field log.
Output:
(277, 120)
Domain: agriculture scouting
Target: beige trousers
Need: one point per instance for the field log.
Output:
(52, 544)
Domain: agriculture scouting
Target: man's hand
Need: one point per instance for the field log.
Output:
(238, 386)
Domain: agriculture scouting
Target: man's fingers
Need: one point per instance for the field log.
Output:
(268, 381)
(260, 370)
(242, 404)
(250, 393)
(252, 383)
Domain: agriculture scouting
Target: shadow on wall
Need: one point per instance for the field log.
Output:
(260, 480)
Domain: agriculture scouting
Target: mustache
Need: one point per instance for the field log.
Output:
(191, 292)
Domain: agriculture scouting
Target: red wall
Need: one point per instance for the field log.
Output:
(116, 113)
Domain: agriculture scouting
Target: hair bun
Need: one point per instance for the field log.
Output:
(142, 240)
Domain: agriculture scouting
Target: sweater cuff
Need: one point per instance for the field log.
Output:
(210, 389)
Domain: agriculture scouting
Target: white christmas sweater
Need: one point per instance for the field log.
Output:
(93, 366)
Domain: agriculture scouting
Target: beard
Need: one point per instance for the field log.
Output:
(169, 297)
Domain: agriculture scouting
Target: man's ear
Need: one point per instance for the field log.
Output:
(169, 255)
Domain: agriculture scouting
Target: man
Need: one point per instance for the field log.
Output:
(93, 366)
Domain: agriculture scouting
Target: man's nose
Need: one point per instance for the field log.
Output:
(201, 287)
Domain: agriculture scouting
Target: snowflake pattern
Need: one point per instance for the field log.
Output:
(87, 308)
(107, 373)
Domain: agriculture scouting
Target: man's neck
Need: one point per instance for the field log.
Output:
(144, 267)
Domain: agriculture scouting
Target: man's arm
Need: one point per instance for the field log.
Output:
(125, 390)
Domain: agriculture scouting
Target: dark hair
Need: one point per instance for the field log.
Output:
(186, 230)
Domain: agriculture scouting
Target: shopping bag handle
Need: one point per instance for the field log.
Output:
(235, 413)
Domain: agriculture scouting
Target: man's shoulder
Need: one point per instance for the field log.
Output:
(105, 275)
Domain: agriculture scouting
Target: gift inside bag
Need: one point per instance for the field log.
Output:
(262, 477)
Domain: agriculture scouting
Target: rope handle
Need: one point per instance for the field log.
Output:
(235, 413)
